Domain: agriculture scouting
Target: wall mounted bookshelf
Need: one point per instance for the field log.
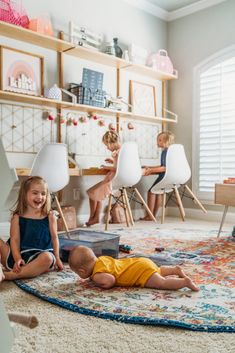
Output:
(59, 45)
(64, 47)
(50, 103)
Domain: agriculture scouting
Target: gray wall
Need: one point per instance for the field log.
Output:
(113, 18)
(191, 40)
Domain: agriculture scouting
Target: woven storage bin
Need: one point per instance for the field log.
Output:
(13, 12)
(88, 96)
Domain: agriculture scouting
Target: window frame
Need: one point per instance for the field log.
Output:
(203, 66)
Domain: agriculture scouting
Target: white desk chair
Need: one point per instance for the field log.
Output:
(128, 174)
(8, 176)
(177, 174)
(51, 163)
(7, 333)
(7, 328)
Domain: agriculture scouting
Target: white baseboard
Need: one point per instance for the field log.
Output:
(210, 216)
(82, 218)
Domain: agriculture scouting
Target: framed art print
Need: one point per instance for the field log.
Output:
(142, 98)
(21, 72)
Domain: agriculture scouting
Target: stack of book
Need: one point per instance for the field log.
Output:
(229, 181)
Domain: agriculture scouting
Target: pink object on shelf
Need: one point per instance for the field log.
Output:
(13, 12)
(160, 61)
(41, 24)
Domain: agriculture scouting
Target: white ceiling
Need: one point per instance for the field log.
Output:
(172, 5)
(169, 10)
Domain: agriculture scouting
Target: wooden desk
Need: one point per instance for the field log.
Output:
(72, 171)
(224, 195)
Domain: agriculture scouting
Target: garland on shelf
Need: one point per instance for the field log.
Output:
(69, 120)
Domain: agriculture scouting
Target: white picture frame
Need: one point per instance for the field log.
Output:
(21, 72)
(143, 98)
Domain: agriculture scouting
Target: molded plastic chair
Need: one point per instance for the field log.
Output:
(51, 163)
(7, 333)
(7, 328)
(8, 176)
(128, 174)
(177, 174)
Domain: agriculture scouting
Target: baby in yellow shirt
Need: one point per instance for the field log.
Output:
(107, 272)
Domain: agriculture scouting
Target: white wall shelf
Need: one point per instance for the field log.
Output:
(50, 103)
(52, 43)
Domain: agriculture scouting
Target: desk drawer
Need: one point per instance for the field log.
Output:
(225, 194)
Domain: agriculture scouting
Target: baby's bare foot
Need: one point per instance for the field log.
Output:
(191, 285)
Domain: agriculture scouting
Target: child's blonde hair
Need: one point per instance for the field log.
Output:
(110, 137)
(168, 137)
(21, 203)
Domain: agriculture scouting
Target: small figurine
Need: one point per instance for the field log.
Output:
(51, 117)
(101, 122)
(112, 127)
(130, 126)
(125, 248)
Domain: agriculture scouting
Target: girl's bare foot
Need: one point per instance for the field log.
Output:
(191, 285)
(10, 276)
(92, 221)
(2, 276)
(146, 218)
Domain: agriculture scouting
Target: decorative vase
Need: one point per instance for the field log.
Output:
(109, 48)
(118, 50)
(41, 24)
(53, 93)
(126, 55)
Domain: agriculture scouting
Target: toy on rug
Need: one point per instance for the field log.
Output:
(233, 232)
(159, 249)
(26, 320)
(125, 248)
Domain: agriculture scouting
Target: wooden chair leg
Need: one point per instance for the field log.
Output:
(62, 215)
(128, 207)
(180, 205)
(195, 198)
(222, 220)
(125, 207)
(163, 207)
(108, 212)
(145, 205)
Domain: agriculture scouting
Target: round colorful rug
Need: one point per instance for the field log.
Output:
(209, 262)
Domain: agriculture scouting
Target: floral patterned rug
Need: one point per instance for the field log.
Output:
(209, 262)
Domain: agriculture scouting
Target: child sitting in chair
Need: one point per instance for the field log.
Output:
(164, 140)
(101, 190)
(107, 272)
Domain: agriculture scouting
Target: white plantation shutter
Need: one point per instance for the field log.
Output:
(215, 126)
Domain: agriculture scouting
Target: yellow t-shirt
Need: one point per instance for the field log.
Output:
(128, 272)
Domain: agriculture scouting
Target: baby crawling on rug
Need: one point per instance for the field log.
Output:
(107, 272)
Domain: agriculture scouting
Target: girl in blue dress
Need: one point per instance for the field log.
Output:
(164, 140)
(33, 247)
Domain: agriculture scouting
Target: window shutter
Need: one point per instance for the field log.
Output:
(216, 159)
